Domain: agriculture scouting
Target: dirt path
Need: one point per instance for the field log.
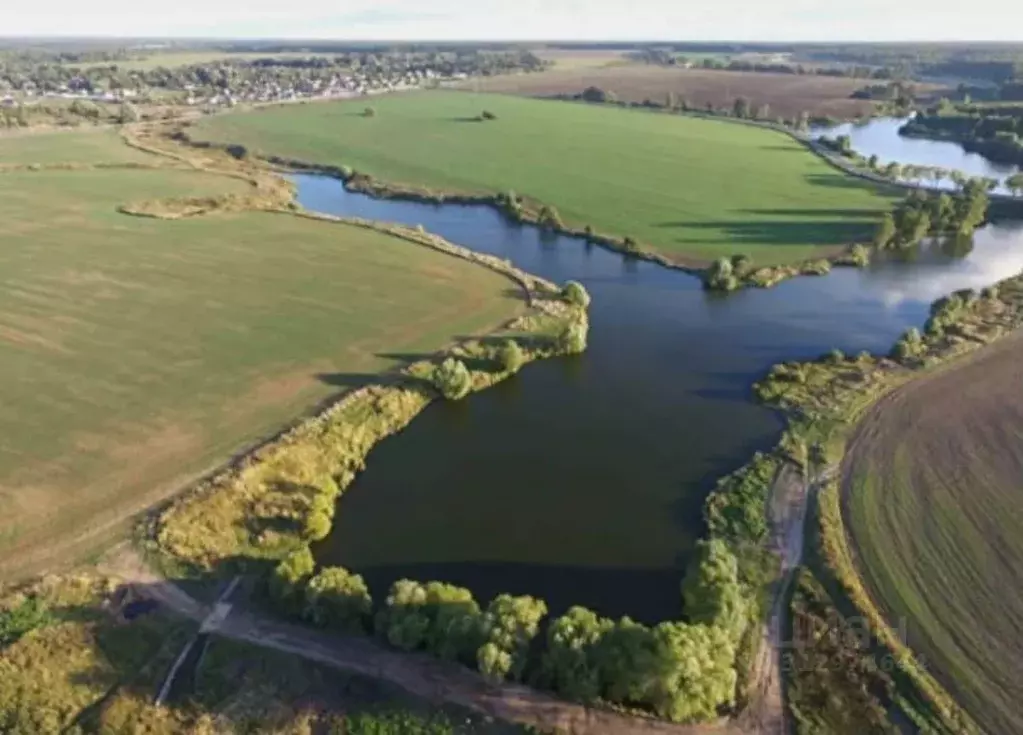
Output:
(788, 506)
(421, 675)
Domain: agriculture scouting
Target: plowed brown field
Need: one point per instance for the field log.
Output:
(787, 94)
(934, 502)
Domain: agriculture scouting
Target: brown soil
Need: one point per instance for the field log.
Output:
(931, 496)
(787, 94)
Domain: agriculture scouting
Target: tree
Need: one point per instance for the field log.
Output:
(369, 112)
(509, 626)
(625, 659)
(435, 617)
(290, 575)
(510, 356)
(569, 665)
(721, 276)
(741, 107)
(576, 294)
(671, 101)
(693, 672)
(339, 599)
(886, 231)
(763, 112)
(452, 379)
(488, 115)
(572, 340)
(803, 123)
(711, 590)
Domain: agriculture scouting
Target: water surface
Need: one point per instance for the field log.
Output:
(582, 479)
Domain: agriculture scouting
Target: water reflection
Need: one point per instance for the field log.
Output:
(880, 137)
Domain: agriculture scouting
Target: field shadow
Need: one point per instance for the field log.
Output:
(839, 181)
(465, 119)
(845, 213)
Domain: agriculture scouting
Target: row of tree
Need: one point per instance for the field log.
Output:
(682, 671)
(923, 215)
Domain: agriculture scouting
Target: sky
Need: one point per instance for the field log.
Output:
(690, 20)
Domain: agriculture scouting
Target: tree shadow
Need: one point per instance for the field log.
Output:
(465, 119)
(780, 232)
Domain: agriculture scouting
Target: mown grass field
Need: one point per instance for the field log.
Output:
(693, 189)
(137, 352)
(92, 146)
(934, 500)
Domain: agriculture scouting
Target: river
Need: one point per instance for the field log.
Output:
(880, 137)
(581, 480)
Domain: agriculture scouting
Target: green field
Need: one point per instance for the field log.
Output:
(136, 352)
(92, 146)
(691, 188)
(933, 499)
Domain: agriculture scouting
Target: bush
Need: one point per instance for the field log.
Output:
(290, 575)
(510, 356)
(17, 621)
(549, 219)
(572, 341)
(452, 379)
(369, 112)
(576, 294)
(741, 265)
(338, 599)
(488, 115)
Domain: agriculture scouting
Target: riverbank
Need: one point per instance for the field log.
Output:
(825, 401)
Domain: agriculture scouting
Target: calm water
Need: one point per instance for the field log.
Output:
(582, 479)
(881, 138)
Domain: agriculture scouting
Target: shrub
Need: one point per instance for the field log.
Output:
(291, 574)
(452, 379)
(576, 294)
(17, 621)
(572, 341)
(369, 112)
(549, 219)
(488, 115)
(338, 599)
(630, 245)
(510, 356)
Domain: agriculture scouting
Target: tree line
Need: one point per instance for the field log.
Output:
(681, 671)
(923, 214)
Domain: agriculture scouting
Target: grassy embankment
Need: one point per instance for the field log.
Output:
(139, 352)
(922, 566)
(684, 190)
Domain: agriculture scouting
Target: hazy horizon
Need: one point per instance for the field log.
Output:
(865, 21)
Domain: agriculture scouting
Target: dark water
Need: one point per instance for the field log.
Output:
(880, 137)
(581, 479)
